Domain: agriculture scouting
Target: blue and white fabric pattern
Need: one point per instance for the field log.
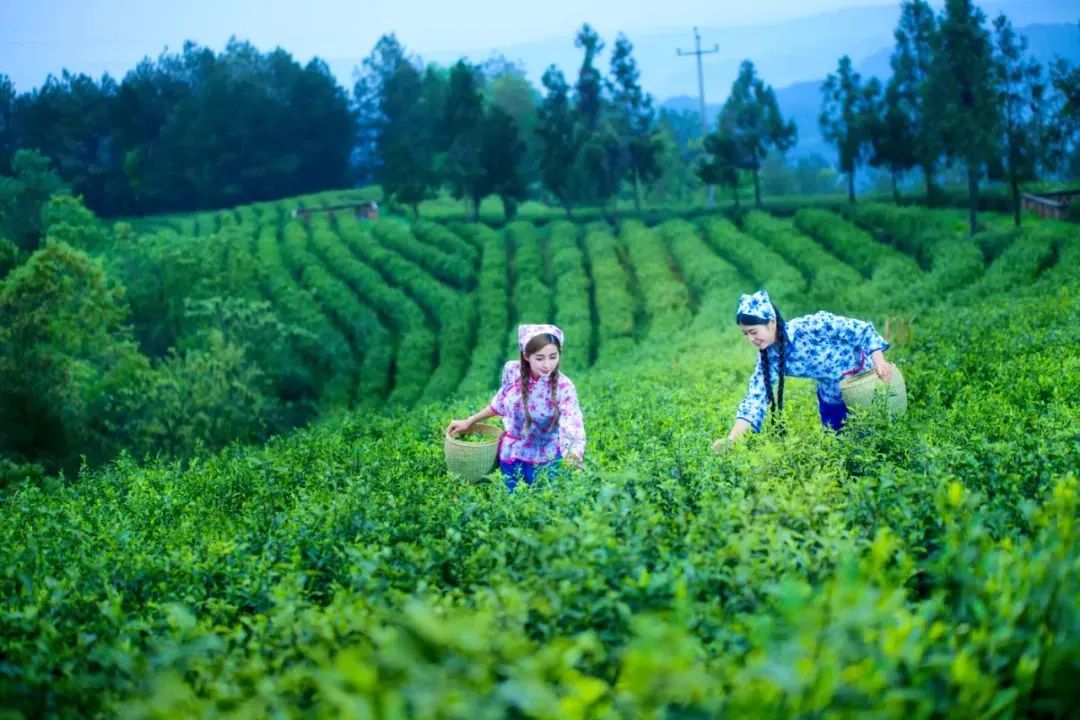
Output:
(757, 305)
(822, 347)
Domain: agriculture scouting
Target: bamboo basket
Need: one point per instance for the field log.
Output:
(471, 461)
(866, 389)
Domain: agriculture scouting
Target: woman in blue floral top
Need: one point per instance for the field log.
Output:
(821, 346)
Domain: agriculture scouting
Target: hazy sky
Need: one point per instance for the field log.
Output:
(95, 36)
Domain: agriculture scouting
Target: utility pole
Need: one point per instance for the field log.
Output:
(701, 90)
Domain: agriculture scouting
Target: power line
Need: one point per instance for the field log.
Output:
(698, 52)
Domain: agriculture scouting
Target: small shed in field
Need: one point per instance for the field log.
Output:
(1053, 205)
(364, 211)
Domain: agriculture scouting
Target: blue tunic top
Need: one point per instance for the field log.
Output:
(823, 347)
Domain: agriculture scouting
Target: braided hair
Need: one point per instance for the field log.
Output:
(776, 404)
(536, 344)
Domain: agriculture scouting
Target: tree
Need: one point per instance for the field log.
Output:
(159, 275)
(223, 383)
(69, 120)
(599, 168)
(1021, 94)
(257, 126)
(192, 130)
(680, 138)
(502, 155)
(375, 71)
(602, 160)
(721, 164)
(462, 142)
(751, 116)
(508, 88)
(1064, 131)
(906, 94)
(23, 195)
(847, 117)
(589, 87)
(559, 139)
(10, 257)
(67, 220)
(814, 175)
(406, 144)
(8, 139)
(635, 118)
(322, 129)
(961, 93)
(203, 397)
(144, 102)
(892, 136)
(70, 375)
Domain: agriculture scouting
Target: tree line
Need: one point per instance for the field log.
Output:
(190, 130)
(482, 130)
(198, 130)
(963, 92)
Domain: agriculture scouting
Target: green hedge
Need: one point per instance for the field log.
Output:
(571, 294)
(666, 298)
(927, 566)
(758, 262)
(492, 314)
(615, 330)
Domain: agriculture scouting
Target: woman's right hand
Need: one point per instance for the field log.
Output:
(722, 445)
(740, 428)
(457, 427)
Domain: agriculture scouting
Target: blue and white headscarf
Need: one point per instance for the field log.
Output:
(756, 305)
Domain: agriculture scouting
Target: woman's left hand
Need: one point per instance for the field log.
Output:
(458, 427)
(883, 369)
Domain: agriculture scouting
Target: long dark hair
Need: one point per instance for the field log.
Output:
(776, 405)
(537, 343)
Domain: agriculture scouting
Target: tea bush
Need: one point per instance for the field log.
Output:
(927, 566)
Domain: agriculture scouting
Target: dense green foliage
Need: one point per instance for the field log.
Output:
(925, 567)
(222, 492)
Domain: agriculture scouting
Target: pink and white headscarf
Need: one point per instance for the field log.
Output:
(528, 332)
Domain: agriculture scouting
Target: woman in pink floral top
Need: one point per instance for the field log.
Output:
(539, 406)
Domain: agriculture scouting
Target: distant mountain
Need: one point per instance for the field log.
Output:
(1046, 42)
(784, 53)
(801, 101)
(793, 56)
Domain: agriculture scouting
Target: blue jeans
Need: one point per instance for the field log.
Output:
(832, 414)
(517, 470)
